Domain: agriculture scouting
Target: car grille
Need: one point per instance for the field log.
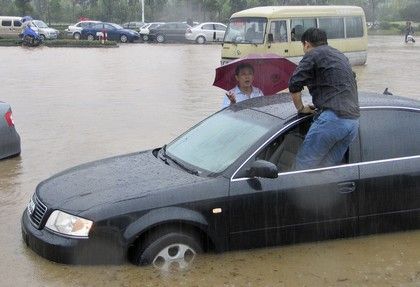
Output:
(38, 213)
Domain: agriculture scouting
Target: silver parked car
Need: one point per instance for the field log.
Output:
(206, 32)
(9, 138)
(76, 30)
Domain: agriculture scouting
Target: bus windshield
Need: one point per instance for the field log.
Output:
(246, 30)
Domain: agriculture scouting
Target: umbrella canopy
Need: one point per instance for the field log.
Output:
(271, 73)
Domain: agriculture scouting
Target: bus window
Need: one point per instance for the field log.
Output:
(246, 30)
(300, 25)
(279, 31)
(354, 27)
(334, 27)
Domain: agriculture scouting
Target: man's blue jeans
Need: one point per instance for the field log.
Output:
(327, 141)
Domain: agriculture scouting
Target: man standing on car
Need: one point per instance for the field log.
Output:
(332, 84)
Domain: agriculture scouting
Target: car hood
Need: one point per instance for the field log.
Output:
(110, 180)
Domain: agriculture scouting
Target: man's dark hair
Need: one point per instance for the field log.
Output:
(316, 37)
(242, 66)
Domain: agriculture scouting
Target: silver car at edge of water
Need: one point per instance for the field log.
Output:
(9, 138)
(206, 32)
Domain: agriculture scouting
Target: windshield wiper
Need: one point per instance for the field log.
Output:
(166, 157)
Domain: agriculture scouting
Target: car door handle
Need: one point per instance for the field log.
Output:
(346, 187)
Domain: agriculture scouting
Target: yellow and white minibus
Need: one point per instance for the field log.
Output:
(278, 30)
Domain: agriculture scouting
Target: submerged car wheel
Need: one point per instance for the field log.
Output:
(200, 40)
(145, 38)
(90, 37)
(169, 250)
(160, 38)
(76, 36)
(123, 39)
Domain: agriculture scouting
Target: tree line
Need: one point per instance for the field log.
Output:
(119, 11)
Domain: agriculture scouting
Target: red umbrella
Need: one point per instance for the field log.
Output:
(271, 73)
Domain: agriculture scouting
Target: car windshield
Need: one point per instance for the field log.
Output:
(217, 142)
(40, 24)
(246, 30)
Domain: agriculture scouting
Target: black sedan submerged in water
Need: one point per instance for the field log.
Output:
(228, 183)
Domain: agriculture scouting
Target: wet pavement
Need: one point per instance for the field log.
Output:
(75, 105)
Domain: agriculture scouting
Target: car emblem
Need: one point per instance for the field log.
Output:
(31, 206)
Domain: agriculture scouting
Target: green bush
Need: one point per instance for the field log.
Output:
(385, 25)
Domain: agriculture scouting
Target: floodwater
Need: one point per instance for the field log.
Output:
(74, 105)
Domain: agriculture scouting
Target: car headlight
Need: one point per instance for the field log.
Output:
(68, 224)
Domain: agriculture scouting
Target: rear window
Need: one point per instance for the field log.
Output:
(207, 27)
(387, 134)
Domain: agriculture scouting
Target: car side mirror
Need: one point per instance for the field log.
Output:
(270, 38)
(263, 168)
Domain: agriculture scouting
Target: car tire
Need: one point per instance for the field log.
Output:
(43, 37)
(168, 249)
(90, 37)
(160, 38)
(123, 38)
(145, 38)
(200, 40)
(76, 36)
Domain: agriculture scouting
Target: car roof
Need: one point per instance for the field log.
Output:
(281, 105)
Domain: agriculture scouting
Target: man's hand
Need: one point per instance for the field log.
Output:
(231, 97)
(307, 109)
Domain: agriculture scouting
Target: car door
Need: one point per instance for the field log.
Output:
(180, 30)
(112, 32)
(390, 171)
(220, 32)
(209, 32)
(298, 205)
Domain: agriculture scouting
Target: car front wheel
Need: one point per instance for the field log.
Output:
(123, 39)
(145, 38)
(200, 40)
(160, 38)
(76, 36)
(169, 250)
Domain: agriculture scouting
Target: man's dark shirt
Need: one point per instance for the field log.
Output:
(331, 82)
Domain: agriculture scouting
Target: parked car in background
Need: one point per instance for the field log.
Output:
(45, 32)
(9, 138)
(114, 32)
(206, 32)
(75, 31)
(144, 30)
(10, 26)
(133, 26)
(228, 183)
(171, 31)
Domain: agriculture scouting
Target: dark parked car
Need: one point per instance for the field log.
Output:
(114, 32)
(9, 138)
(171, 31)
(228, 183)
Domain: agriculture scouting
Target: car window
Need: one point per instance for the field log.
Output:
(354, 27)
(217, 142)
(386, 134)
(207, 27)
(109, 27)
(301, 25)
(17, 23)
(98, 26)
(334, 27)
(279, 30)
(6, 23)
(220, 27)
(282, 150)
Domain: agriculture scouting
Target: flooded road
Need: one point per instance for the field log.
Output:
(72, 106)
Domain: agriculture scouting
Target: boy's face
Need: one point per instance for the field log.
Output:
(245, 78)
